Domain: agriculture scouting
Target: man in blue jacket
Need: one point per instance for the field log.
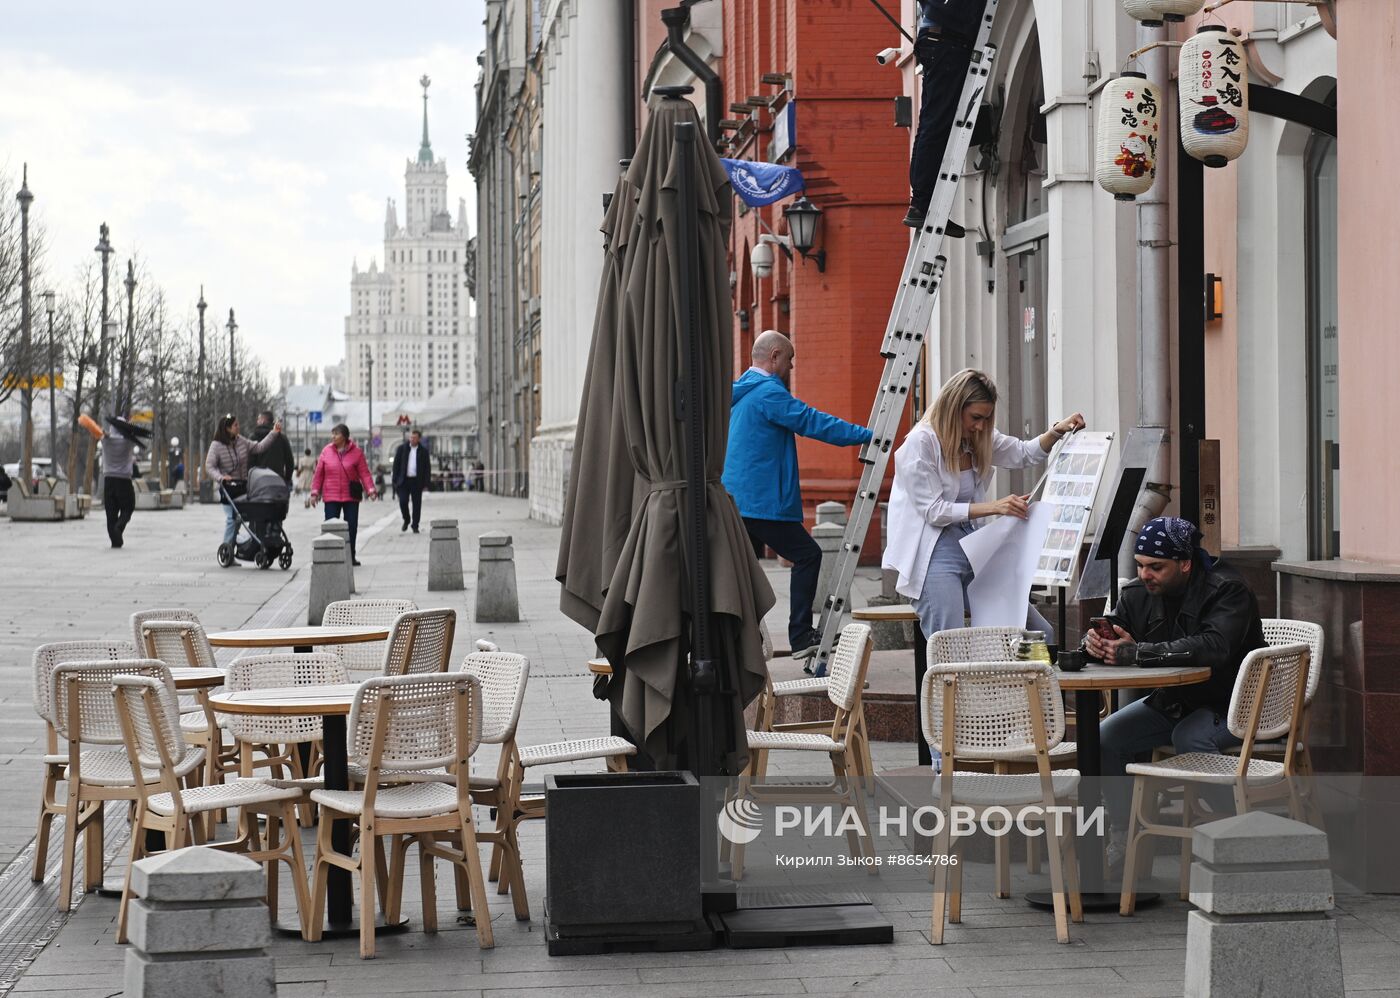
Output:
(760, 471)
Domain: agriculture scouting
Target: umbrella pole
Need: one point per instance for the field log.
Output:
(702, 674)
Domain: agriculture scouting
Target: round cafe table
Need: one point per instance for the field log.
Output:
(197, 679)
(300, 639)
(332, 703)
(1088, 685)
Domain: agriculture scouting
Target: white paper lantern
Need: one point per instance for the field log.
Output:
(1129, 129)
(1144, 11)
(1176, 10)
(1214, 95)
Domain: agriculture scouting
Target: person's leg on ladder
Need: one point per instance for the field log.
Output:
(791, 541)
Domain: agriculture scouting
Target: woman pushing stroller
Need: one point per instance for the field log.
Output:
(227, 461)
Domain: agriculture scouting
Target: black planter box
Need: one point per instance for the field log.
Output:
(622, 855)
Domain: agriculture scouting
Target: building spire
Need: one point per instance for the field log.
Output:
(425, 151)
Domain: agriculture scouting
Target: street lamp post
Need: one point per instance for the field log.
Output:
(198, 394)
(26, 371)
(369, 443)
(104, 249)
(232, 360)
(129, 354)
(53, 405)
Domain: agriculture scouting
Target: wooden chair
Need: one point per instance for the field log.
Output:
(998, 644)
(149, 716)
(420, 643)
(845, 680)
(998, 711)
(1267, 703)
(85, 717)
(364, 660)
(48, 658)
(398, 724)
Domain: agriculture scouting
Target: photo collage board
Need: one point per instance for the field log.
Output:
(1071, 486)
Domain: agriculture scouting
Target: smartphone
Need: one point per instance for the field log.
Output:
(1103, 628)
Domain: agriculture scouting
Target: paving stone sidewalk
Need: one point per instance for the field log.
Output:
(63, 581)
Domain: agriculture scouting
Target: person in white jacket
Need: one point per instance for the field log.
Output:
(941, 474)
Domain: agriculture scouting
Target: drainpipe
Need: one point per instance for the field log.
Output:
(1154, 309)
(676, 19)
(629, 76)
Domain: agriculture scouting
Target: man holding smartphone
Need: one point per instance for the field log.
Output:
(1186, 605)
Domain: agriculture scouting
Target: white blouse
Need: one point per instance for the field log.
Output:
(924, 498)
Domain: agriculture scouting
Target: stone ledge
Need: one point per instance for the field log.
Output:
(1340, 570)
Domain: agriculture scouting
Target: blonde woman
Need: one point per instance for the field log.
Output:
(941, 474)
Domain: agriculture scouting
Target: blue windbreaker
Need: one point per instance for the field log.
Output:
(760, 468)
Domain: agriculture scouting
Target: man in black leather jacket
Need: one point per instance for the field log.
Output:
(1199, 612)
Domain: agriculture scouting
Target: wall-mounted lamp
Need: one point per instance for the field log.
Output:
(803, 218)
(1215, 298)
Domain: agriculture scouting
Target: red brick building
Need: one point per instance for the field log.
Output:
(832, 117)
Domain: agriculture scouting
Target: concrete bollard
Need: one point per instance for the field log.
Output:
(1263, 890)
(198, 926)
(445, 557)
(330, 576)
(831, 512)
(341, 529)
(497, 600)
(828, 537)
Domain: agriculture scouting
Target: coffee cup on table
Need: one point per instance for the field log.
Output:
(1071, 660)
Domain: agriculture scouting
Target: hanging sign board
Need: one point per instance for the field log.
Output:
(1070, 487)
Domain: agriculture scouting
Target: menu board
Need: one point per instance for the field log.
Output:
(1071, 484)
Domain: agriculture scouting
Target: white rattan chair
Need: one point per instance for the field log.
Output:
(998, 711)
(503, 677)
(997, 644)
(149, 719)
(421, 642)
(845, 680)
(274, 741)
(98, 768)
(1267, 703)
(364, 659)
(47, 658)
(397, 724)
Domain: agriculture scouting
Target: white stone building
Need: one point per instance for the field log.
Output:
(412, 316)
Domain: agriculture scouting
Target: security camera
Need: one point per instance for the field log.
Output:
(761, 260)
(886, 56)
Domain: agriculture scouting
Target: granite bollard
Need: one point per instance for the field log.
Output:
(445, 557)
(341, 529)
(831, 512)
(1263, 889)
(198, 925)
(330, 576)
(497, 600)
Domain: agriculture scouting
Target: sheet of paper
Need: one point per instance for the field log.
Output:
(1004, 556)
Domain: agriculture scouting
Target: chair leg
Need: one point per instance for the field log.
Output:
(316, 920)
(72, 817)
(1054, 852)
(369, 875)
(398, 854)
(137, 850)
(867, 837)
(1071, 865)
(955, 882)
(471, 857)
(1001, 849)
(46, 815)
(940, 885)
(428, 885)
(93, 836)
(1032, 854)
(297, 863)
(272, 843)
(867, 764)
(1127, 901)
(1188, 809)
(381, 867)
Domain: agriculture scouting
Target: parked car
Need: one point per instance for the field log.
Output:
(43, 467)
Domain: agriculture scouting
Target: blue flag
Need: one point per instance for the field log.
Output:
(758, 184)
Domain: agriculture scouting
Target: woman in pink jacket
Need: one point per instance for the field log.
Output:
(342, 477)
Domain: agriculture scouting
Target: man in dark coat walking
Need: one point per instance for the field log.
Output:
(279, 456)
(412, 472)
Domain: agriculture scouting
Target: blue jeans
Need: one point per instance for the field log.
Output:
(230, 526)
(1136, 730)
(943, 601)
(350, 513)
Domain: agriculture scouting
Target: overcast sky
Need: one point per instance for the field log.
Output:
(247, 147)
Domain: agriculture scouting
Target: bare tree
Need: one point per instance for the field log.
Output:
(15, 364)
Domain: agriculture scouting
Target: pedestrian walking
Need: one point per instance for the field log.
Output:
(760, 471)
(306, 466)
(118, 466)
(227, 462)
(279, 456)
(342, 477)
(412, 472)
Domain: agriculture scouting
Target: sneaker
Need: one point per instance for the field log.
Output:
(415, 530)
(916, 216)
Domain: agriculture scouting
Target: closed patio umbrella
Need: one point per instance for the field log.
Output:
(643, 625)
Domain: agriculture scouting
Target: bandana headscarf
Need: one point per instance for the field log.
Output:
(1173, 538)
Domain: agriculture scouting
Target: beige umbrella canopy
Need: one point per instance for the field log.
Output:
(642, 623)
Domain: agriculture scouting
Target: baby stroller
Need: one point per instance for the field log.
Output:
(259, 512)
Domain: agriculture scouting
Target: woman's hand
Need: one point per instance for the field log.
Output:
(1012, 505)
(1068, 425)
(315, 498)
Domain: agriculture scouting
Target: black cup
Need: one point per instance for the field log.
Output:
(1071, 660)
